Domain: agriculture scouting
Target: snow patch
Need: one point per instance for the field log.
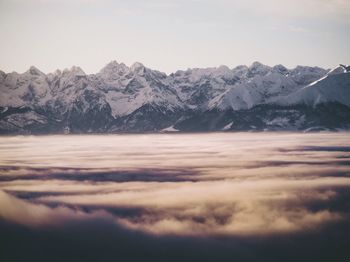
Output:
(170, 129)
(227, 127)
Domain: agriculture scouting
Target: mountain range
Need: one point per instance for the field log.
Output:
(120, 99)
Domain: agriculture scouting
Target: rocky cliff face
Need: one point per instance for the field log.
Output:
(138, 99)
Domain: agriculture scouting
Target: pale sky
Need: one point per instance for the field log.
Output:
(172, 34)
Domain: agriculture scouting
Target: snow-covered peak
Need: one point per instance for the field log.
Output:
(256, 64)
(223, 72)
(126, 89)
(76, 70)
(34, 71)
(55, 75)
(138, 67)
(333, 87)
(240, 70)
(307, 69)
(258, 68)
(114, 68)
(223, 69)
(2, 76)
(346, 67)
(280, 69)
(112, 64)
(339, 70)
(304, 75)
(195, 75)
(57, 72)
(260, 84)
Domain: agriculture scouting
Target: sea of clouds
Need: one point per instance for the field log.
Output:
(182, 197)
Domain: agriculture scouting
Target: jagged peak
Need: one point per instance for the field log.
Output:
(223, 68)
(312, 68)
(300, 67)
(114, 66)
(196, 74)
(2, 75)
(258, 68)
(74, 70)
(77, 70)
(34, 71)
(240, 67)
(113, 63)
(57, 72)
(257, 64)
(341, 69)
(346, 67)
(280, 68)
(137, 66)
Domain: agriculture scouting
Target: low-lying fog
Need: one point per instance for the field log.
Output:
(181, 197)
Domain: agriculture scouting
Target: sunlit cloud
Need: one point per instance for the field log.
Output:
(24, 213)
(286, 186)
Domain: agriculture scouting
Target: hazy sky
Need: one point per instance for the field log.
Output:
(172, 34)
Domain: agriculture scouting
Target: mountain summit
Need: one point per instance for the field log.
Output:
(139, 99)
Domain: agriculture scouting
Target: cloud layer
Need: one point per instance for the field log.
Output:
(221, 192)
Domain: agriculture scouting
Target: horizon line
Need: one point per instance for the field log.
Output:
(168, 74)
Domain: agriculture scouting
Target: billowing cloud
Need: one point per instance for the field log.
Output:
(209, 192)
(24, 213)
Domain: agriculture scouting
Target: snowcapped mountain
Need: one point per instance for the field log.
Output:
(262, 85)
(127, 89)
(334, 87)
(120, 98)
